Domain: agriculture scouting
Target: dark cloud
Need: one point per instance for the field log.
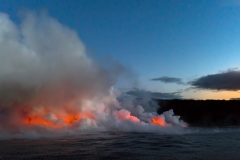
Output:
(156, 95)
(168, 80)
(229, 80)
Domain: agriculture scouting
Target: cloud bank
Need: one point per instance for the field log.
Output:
(229, 81)
(157, 95)
(166, 79)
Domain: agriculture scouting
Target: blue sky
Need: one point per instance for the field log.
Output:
(176, 38)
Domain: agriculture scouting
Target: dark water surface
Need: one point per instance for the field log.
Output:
(205, 144)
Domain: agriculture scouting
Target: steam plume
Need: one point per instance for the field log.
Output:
(50, 87)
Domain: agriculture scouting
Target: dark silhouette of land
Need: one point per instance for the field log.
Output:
(204, 113)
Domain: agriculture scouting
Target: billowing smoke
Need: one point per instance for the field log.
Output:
(50, 87)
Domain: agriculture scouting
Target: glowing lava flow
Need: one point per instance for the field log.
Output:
(62, 119)
(158, 121)
(59, 119)
(125, 115)
(36, 120)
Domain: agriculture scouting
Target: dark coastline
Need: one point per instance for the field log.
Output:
(204, 113)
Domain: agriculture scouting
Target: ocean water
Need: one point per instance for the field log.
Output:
(199, 144)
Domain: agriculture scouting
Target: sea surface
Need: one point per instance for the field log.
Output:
(201, 144)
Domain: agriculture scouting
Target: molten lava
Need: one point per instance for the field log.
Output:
(71, 119)
(36, 120)
(53, 118)
(125, 115)
(158, 121)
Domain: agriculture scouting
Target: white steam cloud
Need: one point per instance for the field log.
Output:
(49, 86)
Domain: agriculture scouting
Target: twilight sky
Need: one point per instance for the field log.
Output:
(186, 46)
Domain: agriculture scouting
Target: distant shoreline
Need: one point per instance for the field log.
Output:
(204, 113)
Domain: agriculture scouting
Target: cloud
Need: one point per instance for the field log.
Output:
(229, 80)
(156, 95)
(166, 79)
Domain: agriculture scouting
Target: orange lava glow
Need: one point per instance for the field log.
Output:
(133, 118)
(36, 120)
(125, 115)
(71, 119)
(58, 119)
(158, 121)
